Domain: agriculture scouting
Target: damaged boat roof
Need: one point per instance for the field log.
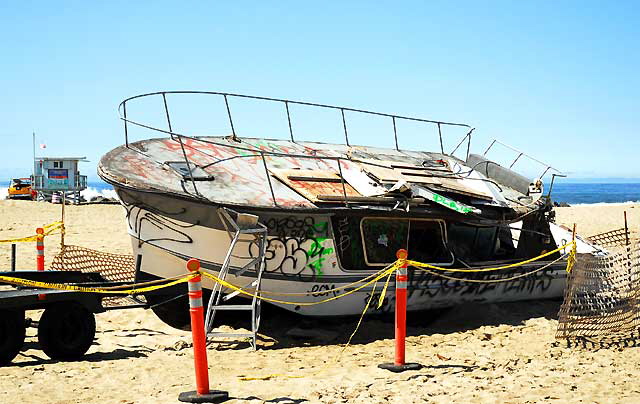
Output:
(282, 174)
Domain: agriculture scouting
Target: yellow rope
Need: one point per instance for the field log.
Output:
(48, 229)
(523, 275)
(228, 285)
(517, 264)
(324, 291)
(571, 261)
(339, 355)
(75, 288)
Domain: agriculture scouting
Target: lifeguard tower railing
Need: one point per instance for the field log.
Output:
(178, 137)
(79, 184)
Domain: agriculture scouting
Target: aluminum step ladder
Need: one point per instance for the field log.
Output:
(237, 225)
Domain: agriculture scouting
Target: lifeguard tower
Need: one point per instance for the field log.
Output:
(59, 175)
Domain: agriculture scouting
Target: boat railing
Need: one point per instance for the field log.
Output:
(226, 96)
(519, 154)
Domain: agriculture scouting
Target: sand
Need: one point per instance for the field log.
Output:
(472, 354)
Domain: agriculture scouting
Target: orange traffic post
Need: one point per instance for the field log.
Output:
(40, 249)
(40, 254)
(399, 364)
(202, 394)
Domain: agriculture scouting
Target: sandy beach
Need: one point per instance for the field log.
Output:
(487, 353)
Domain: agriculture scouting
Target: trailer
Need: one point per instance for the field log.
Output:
(67, 326)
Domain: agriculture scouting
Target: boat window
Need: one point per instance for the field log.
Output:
(371, 242)
(427, 242)
(474, 243)
(382, 238)
(55, 164)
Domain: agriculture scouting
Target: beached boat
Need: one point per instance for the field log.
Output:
(335, 213)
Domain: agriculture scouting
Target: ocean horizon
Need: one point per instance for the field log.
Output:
(572, 193)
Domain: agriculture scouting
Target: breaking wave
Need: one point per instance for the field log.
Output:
(88, 194)
(92, 192)
(606, 203)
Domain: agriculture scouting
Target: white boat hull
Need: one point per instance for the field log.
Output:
(309, 265)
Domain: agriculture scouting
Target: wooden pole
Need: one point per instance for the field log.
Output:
(13, 257)
(62, 220)
(626, 229)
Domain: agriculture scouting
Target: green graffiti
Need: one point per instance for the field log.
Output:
(317, 266)
(444, 201)
(317, 251)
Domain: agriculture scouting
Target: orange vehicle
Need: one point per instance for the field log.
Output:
(20, 188)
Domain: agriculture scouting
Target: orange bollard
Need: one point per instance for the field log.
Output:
(40, 249)
(399, 364)
(202, 394)
(40, 254)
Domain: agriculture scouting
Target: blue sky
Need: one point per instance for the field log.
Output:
(558, 79)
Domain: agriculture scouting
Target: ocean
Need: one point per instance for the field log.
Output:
(571, 193)
(591, 193)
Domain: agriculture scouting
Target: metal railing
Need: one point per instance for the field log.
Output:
(546, 166)
(80, 183)
(122, 109)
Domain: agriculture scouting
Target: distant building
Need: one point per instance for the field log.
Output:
(59, 175)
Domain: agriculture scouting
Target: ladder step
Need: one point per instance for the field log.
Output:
(237, 292)
(252, 231)
(230, 334)
(233, 307)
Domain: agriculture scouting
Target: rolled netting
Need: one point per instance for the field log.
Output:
(601, 302)
(613, 239)
(112, 267)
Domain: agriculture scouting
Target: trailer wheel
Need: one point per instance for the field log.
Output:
(66, 331)
(12, 328)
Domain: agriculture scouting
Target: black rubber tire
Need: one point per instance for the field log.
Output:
(66, 331)
(12, 330)
(171, 310)
(174, 311)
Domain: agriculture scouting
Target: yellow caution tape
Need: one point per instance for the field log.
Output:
(48, 229)
(63, 286)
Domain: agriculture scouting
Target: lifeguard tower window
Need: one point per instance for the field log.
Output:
(370, 243)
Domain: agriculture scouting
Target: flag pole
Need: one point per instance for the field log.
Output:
(33, 166)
